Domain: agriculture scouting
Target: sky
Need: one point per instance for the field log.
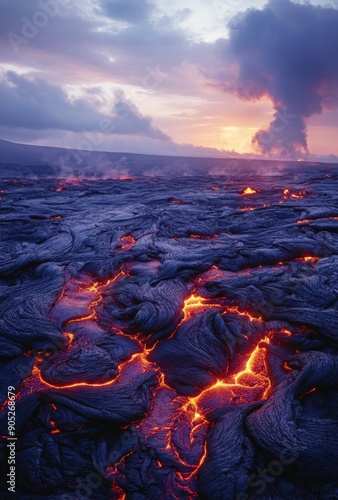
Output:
(178, 77)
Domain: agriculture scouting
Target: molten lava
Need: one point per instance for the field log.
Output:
(127, 242)
(247, 314)
(249, 190)
(93, 292)
(126, 177)
(202, 360)
(249, 384)
(138, 363)
(203, 237)
(195, 304)
(311, 259)
(287, 193)
(305, 221)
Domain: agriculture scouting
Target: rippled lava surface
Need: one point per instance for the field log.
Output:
(171, 338)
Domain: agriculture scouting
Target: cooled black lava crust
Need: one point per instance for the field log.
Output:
(171, 338)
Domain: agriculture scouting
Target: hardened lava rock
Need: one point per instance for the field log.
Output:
(171, 338)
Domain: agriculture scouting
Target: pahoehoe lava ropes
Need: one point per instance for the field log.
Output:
(172, 338)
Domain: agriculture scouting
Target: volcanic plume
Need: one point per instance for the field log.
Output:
(286, 52)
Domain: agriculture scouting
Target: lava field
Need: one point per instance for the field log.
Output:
(171, 338)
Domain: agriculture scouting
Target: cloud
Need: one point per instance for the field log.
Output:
(154, 53)
(131, 11)
(84, 43)
(288, 53)
(37, 104)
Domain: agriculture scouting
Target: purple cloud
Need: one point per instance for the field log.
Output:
(37, 104)
(287, 52)
(132, 11)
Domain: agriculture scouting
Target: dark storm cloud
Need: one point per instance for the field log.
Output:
(287, 52)
(37, 104)
(131, 11)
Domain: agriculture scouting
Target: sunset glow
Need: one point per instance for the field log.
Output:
(179, 102)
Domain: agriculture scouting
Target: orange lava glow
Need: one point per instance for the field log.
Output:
(308, 259)
(127, 242)
(250, 383)
(286, 367)
(235, 310)
(249, 190)
(95, 289)
(203, 457)
(71, 337)
(138, 362)
(202, 237)
(210, 275)
(287, 193)
(54, 430)
(310, 391)
(195, 304)
(65, 183)
(167, 408)
(245, 209)
(126, 177)
(83, 318)
(304, 221)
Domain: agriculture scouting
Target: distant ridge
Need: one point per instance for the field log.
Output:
(23, 160)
